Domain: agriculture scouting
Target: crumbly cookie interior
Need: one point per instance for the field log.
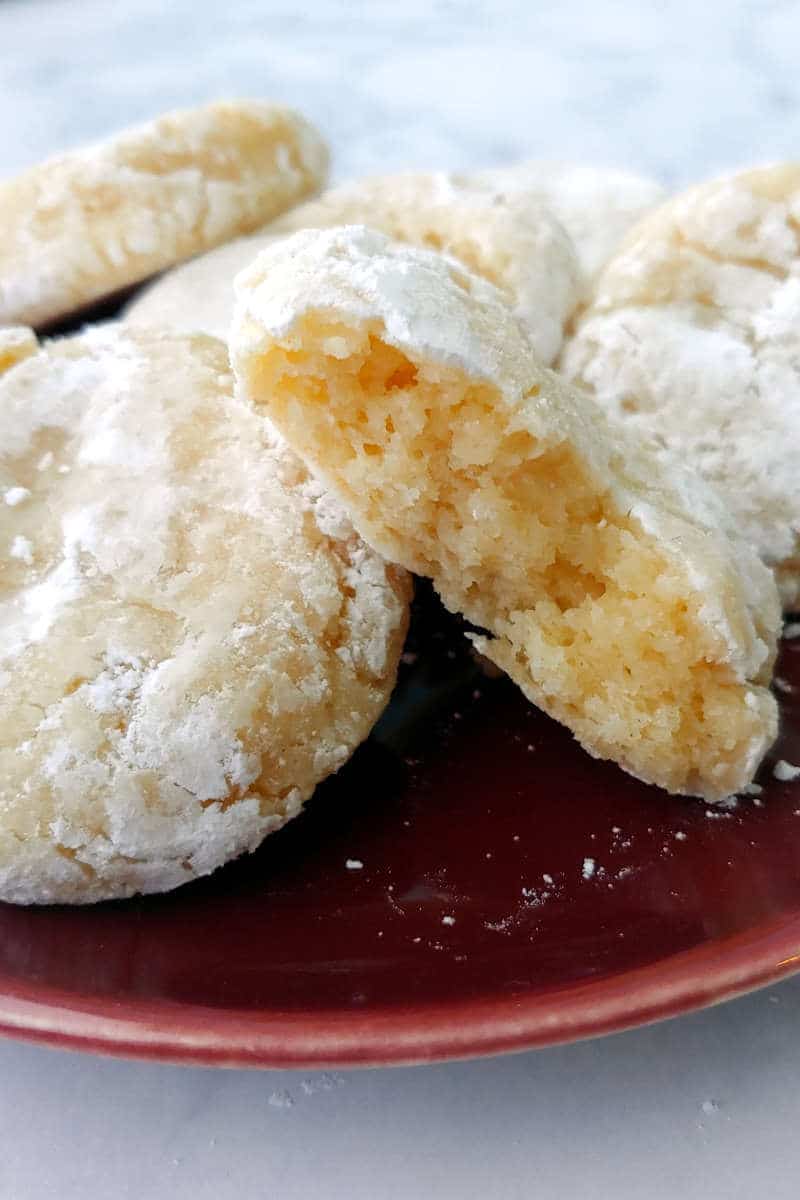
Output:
(587, 611)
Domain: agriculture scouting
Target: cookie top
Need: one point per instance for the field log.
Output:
(613, 596)
(512, 240)
(96, 219)
(693, 337)
(596, 205)
(191, 634)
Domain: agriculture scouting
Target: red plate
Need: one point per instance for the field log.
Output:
(513, 893)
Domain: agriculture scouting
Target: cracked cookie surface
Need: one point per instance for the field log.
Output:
(596, 205)
(693, 338)
(99, 218)
(192, 636)
(511, 239)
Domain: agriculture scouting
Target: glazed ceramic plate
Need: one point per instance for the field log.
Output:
(471, 882)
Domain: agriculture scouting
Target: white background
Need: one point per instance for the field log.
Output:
(707, 1106)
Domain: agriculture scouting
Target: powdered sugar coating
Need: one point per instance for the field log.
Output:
(191, 634)
(693, 337)
(596, 205)
(408, 388)
(96, 219)
(512, 239)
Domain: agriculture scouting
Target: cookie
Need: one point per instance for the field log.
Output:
(596, 205)
(97, 219)
(607, 591)
(693, 338)
(191, 634)
(510, 239)
(197, 296)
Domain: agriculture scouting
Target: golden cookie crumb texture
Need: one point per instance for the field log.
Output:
(693, 339)
(512, 240)
(16, 342)
(608, 592)
(192, 636)
(99, 218)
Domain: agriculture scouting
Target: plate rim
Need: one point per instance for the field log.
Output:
(397, 1035)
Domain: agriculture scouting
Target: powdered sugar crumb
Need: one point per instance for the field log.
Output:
(499, 926)
(589, 868)
(354, 864)
(785, 771)
(22, 548)
(792, 630)
(448, 920)
(15, 495)
(323, 1083)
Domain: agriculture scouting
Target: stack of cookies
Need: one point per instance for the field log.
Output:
(568, 401)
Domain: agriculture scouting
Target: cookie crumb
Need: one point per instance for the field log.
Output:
(324, 1083)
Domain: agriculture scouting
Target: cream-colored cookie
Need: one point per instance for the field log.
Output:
(694, 338)
(610, 595)
(81, 226)
(197, 296)
(191, 634)
(596, 205)
(510, 239)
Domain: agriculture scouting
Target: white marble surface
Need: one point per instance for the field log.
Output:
(704, 1107)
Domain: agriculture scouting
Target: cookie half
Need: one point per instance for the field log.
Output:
(192, 636)
(608, 592)
(97, 219)
(513, 240)
(693, 339)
